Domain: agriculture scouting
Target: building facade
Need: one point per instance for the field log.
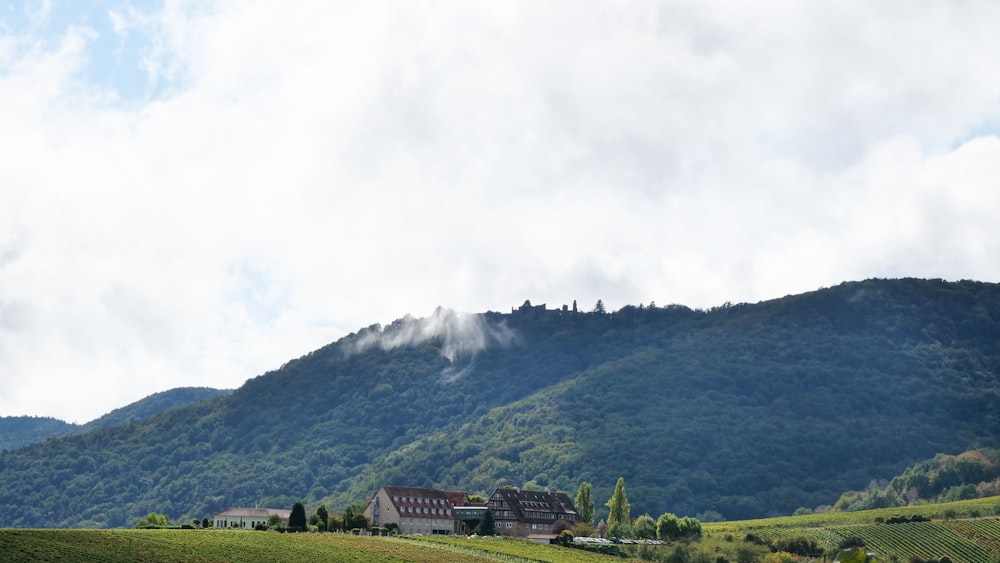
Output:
(523, 514)
(248, 518)
(416, 510)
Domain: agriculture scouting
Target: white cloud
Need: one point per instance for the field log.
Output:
(293, 172)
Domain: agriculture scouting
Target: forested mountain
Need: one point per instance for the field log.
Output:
(155, 404)
(18, 431)
(746, 410)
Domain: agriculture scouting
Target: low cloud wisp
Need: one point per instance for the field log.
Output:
(462, 335)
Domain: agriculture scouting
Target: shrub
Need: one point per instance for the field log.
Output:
(583, 529)
(799, 545)
(851, 542)
(560, 526)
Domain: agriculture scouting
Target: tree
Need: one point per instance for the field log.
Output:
(153, 520)
(621, 531)
(806, 546)
(599, 307)
(206, 523)
(297, 520)
(618, 506)
(644, 527)
(274, 522)
(670, 527)
(667, 527)
(584, 530)
(324, 517)
(560, 525)
(689, 527)
(354, 517)
(487, 525)
(585, 504)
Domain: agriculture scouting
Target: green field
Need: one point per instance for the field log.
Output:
(237, 546)
(963, 531)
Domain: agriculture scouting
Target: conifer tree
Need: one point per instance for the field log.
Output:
(297, 519)
(487, 526)
(324, 516)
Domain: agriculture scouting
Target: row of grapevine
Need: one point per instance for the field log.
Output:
(923, 539)
(984, 532)
(988, 506)
(520, 550)
(114, 546)
(469, 551)
(217, 546)
(403, 550)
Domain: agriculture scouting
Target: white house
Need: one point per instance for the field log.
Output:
(248, 518)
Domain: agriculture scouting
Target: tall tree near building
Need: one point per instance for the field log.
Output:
(585, 504)
(487, 526)
(354, 517)
(297, 519)
(324, 516)
(618, 506)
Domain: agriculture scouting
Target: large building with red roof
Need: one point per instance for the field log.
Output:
(416, 510)
(516, 512)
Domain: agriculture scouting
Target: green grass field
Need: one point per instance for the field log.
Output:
(963, 531)
(203, 546)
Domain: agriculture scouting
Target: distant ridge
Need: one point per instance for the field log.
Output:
(19, 431)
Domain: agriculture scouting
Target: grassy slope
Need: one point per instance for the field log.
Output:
(238, 546)
(974, 534)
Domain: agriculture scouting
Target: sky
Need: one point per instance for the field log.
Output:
(194, 192)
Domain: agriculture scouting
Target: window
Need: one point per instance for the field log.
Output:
(510, 524)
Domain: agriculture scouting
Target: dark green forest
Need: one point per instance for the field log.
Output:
(743, 410)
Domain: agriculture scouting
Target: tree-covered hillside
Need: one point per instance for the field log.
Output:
(746, 410)
(18, 431)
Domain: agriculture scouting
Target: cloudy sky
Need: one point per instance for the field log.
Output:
(194, 192)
